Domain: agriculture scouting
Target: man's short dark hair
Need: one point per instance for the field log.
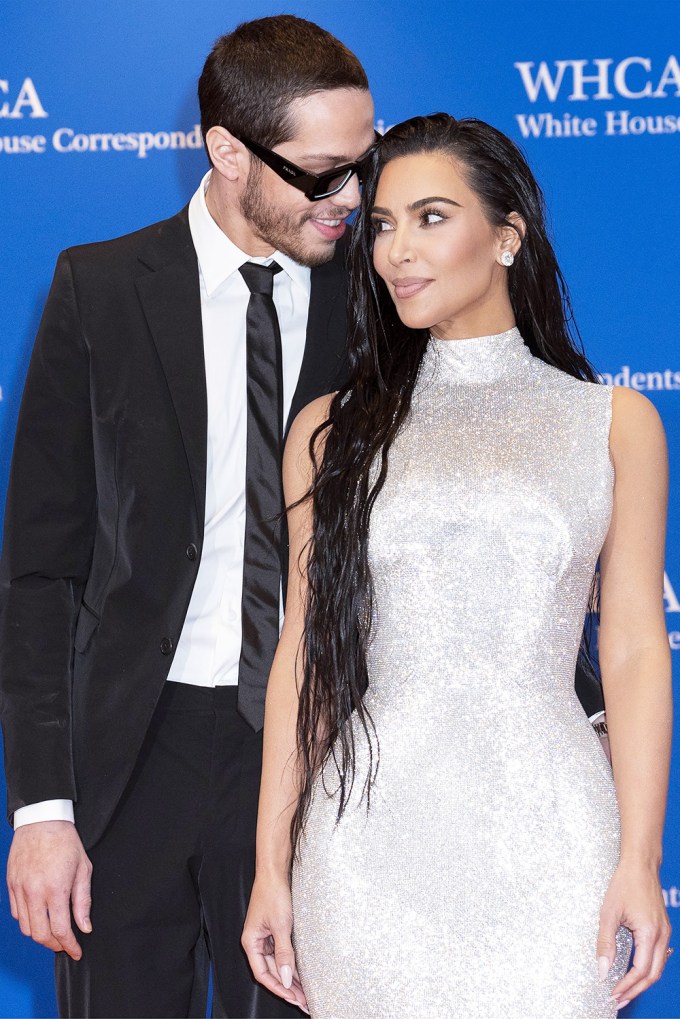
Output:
(254, 73)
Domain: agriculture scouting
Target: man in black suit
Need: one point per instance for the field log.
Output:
(141, 559)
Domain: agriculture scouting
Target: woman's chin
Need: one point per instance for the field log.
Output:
(414, 321)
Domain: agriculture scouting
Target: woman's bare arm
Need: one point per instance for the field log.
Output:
(267, 932)
(636, 676)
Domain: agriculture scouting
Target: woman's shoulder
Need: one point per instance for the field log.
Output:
(627, 402)
(297, 456)
(636, 424)
(639, 454)
(637, 439)
(309, 419)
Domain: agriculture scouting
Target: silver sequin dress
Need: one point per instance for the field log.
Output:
(471, 888)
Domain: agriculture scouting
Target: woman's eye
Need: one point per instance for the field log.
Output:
(432, 217)
(381, 226)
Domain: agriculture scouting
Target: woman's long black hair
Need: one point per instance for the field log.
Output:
(366, 415)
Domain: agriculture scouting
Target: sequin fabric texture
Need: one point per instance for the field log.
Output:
(471, 888)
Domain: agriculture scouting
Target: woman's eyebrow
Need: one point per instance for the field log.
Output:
(428, 201)
(414, 206)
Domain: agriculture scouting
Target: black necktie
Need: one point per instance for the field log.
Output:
(264, 494)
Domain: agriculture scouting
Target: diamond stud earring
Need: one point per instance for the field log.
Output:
(507, 258)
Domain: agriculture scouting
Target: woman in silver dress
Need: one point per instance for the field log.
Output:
(459, 845)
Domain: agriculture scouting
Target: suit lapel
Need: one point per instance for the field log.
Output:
(170, 297)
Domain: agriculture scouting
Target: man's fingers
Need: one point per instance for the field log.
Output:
(47, 868)
(81, 899)
(61, 930)
(49, 921)
(22, 916)
(13, 907)
(39, 924)
(67, 943)
(47, 927)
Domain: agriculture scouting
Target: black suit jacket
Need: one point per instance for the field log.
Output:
(106, 505)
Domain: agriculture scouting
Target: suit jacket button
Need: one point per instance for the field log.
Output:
(192, 552)
(166, 646)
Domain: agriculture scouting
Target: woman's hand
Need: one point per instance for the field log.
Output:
(634, 900)
(267, 942)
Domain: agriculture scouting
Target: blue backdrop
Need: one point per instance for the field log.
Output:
(98, 137)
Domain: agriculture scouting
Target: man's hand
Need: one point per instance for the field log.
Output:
(48, 871)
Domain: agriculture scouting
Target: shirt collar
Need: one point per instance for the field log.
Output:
(219, 257)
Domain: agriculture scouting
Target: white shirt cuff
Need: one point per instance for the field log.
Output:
(46, 810)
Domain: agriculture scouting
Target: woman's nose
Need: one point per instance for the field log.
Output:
(401, 248)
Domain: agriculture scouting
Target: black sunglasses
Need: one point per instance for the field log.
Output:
(314, 186)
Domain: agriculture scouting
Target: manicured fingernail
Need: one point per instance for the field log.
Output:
(602, 967)
(87, 925)
(286, 977)
(624, 1003)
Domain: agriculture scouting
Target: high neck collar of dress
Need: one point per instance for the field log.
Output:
(480, 359)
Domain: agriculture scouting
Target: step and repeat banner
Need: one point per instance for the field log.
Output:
(99, 136)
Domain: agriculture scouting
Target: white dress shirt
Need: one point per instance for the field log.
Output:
(209, 647)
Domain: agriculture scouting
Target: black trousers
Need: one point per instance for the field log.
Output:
(172, 874)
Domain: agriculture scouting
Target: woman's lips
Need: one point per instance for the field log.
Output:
(409, 286)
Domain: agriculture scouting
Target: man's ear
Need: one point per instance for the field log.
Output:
(511, 234)
(227, 154)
